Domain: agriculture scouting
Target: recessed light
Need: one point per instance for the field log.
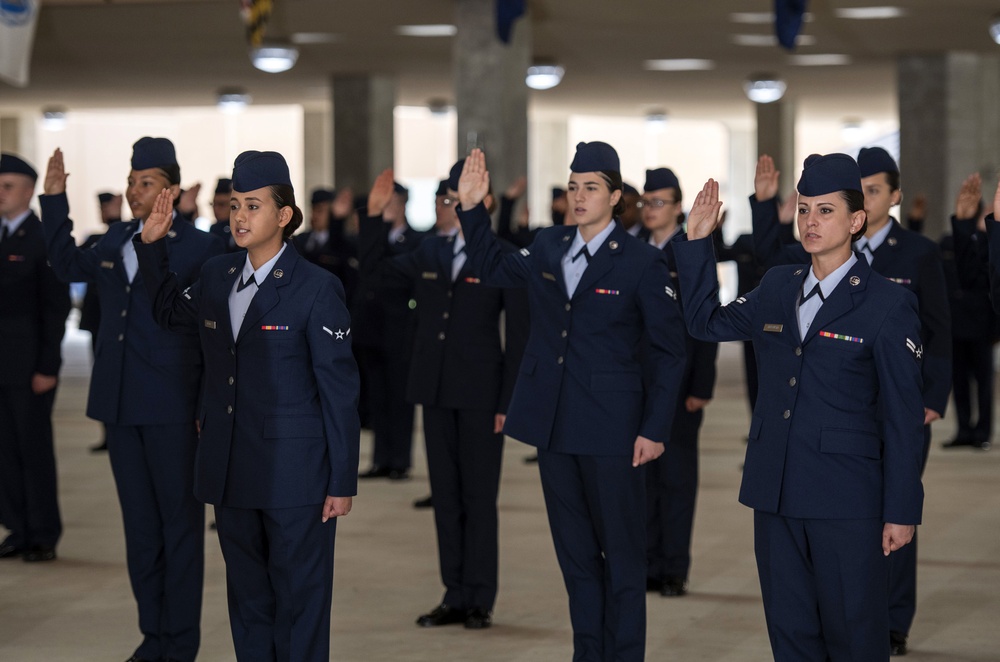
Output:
(544, 76)
(769, 40)
(680, 64)
(274, 59)
(54, 119)
(301, 38)
(760, 17)
(820, 60)
(440, 30)
(869, 13)
(764, 88)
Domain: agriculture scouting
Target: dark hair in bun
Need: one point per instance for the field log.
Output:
(284, 196)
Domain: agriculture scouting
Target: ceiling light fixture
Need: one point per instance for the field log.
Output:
(995, 29)
(439, 30)
(820, 60)
(439, 107)
(764, 88)
(544, 76)
(53, 119)
(852, 131)
(656, 120)
(760, 17)
(680, 64)
(869, 13)
(301, 38)
(769, 40)
(232, 100)
(274, 58)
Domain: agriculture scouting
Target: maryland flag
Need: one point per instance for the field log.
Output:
(17, 33)
(255, 15)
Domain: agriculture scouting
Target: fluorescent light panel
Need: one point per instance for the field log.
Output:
(820, 60)
(440, 30)
(869, 13)
(769, 40)
(680, 64)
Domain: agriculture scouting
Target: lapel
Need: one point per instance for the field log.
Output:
(267, 296)
(228, 276)
(603, 261)
(841, 301)
(789, 297)
(885, 253)
(554, 262)
(129, 228)
(446, 254)
(13, 245)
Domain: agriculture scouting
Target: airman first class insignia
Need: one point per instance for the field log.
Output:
(232, 270)
(798, 271)
(186, 293)
(740, 300)
(670, 292)
(773, 328)
(339, 335)
(278, 273)
(855, 281)
(525, 252)
(915, 349)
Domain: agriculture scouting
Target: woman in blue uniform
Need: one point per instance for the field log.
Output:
(833, 462)
(593, 290)
(278, 453)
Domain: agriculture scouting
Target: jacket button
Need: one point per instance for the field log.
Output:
(798, 351)
(787, 414)
(229, 409)
(124, 313)
(232, 350)
(568, 307)
(441, 336)
(564, 333)
(231, 380)
(559, 360)
(445, 316)
(792, 382)
(121, 337)
(128, 289)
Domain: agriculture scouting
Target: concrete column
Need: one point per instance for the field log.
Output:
(549, 166)
(317, 148)
(491, 98)
(776, 137)
(949, 128)
(362, 128)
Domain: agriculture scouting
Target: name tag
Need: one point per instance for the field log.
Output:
(209, 324)
(429, 275)
(107, 264)
(547, 276)
(773, 328)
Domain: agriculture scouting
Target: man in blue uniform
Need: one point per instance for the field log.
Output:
(672, 480)
(833, 463)
(910, 260)
(144, 387)
(220, 209)
(33, 310)
(594, 292)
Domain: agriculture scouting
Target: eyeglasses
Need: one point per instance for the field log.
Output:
(448, 202)
(654, 203)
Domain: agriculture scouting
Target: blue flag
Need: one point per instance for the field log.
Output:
(508, 11)
(788, 17)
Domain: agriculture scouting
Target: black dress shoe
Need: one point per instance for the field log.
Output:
(9, 551)
(441, 615)
(897, 643)
(959, 442)
(100, 448)
(653, 585)
(136, 658)
(426, 502)
(478, 619)
(375, 472)
(38, 554)
(673, 587)
(398, 474)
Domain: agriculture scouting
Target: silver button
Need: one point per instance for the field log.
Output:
(231, 381)
(568, 307)
(798, 351)
(445, 316)
(559, 360)
(564, 333)
(232, 350)
(229, 409)
(787, 414)
(441, 336)
(121, 337)
(128, 289)
(792, 381)
(124, 313)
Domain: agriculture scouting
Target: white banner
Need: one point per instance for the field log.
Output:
(17, 32)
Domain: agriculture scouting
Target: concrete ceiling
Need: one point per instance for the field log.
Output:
(143, 53)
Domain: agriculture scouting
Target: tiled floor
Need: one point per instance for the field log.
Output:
(80, 607)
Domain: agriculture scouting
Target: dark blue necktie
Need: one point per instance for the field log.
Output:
(815, 290)
(242, 285)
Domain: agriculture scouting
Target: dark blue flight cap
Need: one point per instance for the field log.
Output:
(455, 174)
(16, 166)
(558, 192)
(253, 170)
(628, 188)
(105, 198)
(659, 179)
(442, 188)
(400, 189)
(595, 156)
(873, 160)
(224, 185)
(829, 173)
(153, 153)
(321, 195)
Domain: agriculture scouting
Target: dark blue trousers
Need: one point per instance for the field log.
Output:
(464, 457)
(671, 491)
(824, 584)
(597, 514)
(153, 466)
(391, 414)
(28, 491)
(279, 580)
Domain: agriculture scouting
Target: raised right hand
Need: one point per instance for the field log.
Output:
(474, 183)
(381, 193)
(704, 215)
(158, 223)
(765, 179)
(967, 202)
(55, 174)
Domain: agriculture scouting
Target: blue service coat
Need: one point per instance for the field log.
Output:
(817, 449)
(580, 387)
(906, 258)
(143, 375)
(279, 419)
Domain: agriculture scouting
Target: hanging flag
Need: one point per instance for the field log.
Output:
(788, 17)
(256, 14)
(508, 11)
(17, 33)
